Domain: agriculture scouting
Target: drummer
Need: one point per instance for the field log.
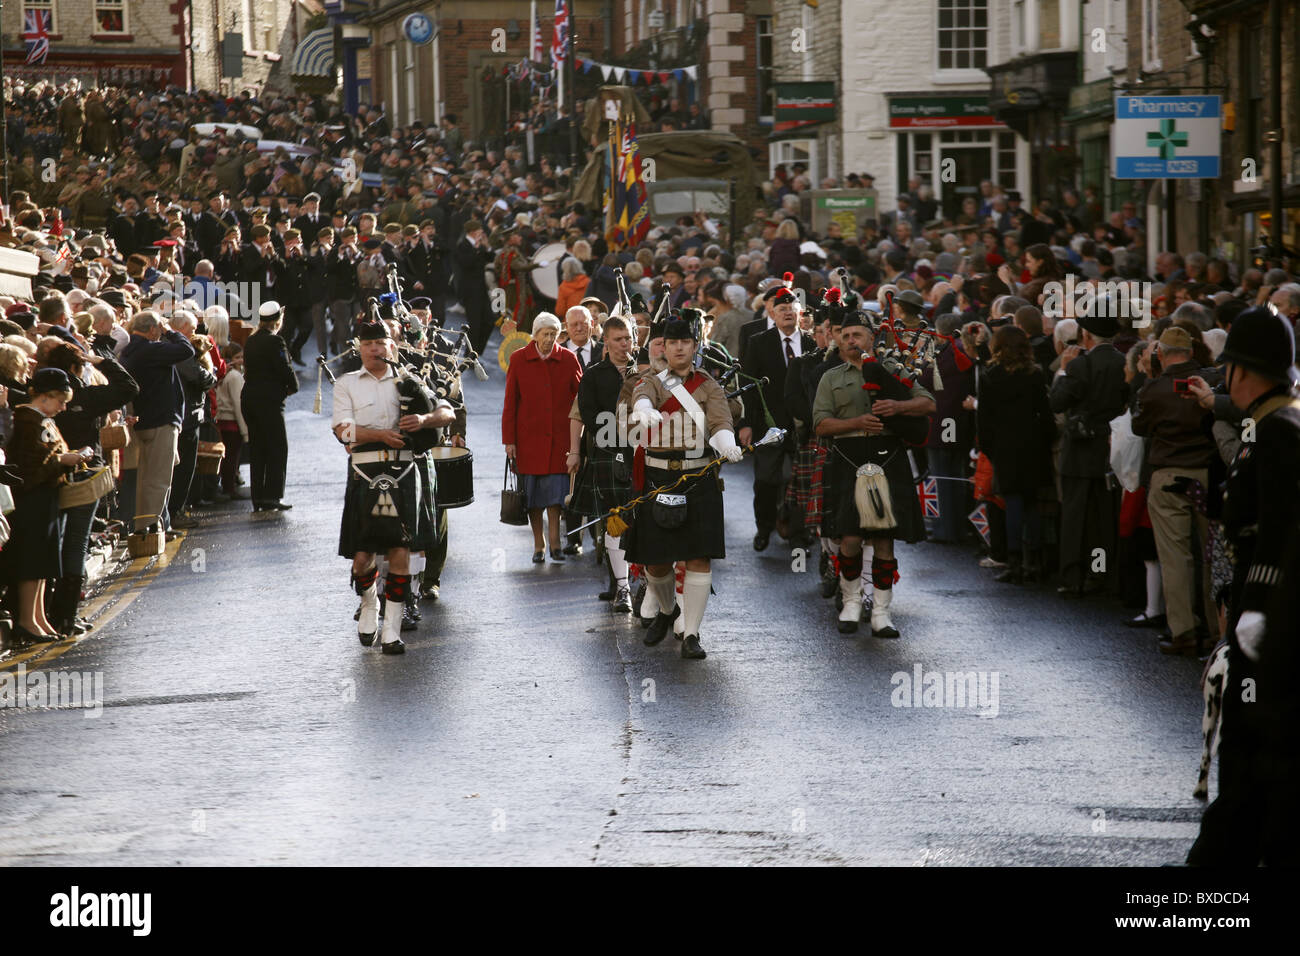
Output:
(381, 507)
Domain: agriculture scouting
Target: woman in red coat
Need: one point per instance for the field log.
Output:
(541, 384)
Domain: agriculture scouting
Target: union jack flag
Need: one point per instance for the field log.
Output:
(560, 38)
(980, 519)
(928, 492)
(36, 33)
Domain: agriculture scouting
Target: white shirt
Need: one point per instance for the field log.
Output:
(584, 353)
(365, 401)
(796, 343)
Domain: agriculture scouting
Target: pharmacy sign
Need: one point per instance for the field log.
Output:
(1167, 137)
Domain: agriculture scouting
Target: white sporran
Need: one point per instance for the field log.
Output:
(871, 495)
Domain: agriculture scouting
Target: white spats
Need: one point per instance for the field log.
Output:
(851, 595)
(392, 620)
(617, 560)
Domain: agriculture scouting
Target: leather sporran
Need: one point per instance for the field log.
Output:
(871, 495)
(514, 503)
(668, 511)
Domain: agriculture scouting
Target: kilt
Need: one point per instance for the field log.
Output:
(891, 455)
(603, 483)
(362, 530)
(702, 536)
(805, 491)
(427, 536)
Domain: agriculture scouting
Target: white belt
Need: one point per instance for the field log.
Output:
(675, 464)
(385, 454)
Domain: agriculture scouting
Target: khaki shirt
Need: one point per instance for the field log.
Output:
(840, 394)
(678, 431)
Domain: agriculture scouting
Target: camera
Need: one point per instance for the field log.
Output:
(1182, 386)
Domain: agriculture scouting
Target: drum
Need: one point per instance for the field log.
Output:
(455, 470)
(546, 277)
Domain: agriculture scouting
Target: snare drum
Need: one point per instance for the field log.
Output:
(455, 470)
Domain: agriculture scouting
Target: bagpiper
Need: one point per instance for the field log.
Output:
(871, 415)
(375, 420)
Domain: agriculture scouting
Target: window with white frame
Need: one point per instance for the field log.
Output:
(963, 34)
(110, 16)
(1049, 24)
(46, 6)
(1151, 35)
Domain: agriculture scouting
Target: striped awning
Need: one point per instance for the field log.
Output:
(314, 55)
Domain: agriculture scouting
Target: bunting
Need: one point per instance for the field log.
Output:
(624, 74)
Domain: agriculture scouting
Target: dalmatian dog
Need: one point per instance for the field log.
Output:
(1213, 680)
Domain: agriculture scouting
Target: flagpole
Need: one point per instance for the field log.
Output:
(570, 67)
(4, 119)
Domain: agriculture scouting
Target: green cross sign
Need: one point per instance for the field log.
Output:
(1166, 140)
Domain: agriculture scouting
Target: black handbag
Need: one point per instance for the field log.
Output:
(514, 504)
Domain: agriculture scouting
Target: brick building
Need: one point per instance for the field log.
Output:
(461, 70)
(159, 42)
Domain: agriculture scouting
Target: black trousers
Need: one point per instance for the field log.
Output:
(436, 557)
(298, 327)
(1088, 523)
(187, 448)
(268, 450)
(478, 312)
(772, 466)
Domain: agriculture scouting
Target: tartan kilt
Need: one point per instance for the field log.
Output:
(805, 490)
(603, 483)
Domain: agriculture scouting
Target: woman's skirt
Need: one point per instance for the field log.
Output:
(34, 549)
(701, 535)
(891, 455)
(544, 491)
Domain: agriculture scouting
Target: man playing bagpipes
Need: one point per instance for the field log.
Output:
(378, 414)
(872, 415)
(681, 407)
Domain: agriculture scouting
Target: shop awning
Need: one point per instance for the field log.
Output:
(314, 56)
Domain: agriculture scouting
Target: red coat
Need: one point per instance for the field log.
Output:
(539, 394)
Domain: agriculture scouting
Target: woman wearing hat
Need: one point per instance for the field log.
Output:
(40, 461)
(541, 384)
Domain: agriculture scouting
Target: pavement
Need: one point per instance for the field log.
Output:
(240, 721)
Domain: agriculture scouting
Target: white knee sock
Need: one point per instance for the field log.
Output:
(662, 589)
(617, 560)
(1155, 589)
(695, 596)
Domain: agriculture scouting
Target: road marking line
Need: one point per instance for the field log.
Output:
(138, 575)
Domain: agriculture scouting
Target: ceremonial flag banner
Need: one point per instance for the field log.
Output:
(560, 36)
(627, 212)
(36, 34)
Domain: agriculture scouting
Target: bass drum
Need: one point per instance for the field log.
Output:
(546, 277)
(455, 471)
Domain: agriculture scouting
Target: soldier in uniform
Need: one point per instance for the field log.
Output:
(1253, 820)
(681, 407)
(512, 268)
(871, 417)
(382, 504)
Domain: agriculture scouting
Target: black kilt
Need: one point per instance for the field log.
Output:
(891, 455)
(603, 483)
(427, 536)
(362, 531)
(34, 549)
(702, 536)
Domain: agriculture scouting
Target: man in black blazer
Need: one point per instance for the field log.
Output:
(768, 355)
(425, 261)
(261, 267)
(472, 257)
(578, 324)
(268, 380)
(1090, 391)
(311, 220)
(761, 322)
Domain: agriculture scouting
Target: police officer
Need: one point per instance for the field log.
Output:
(1253, 821)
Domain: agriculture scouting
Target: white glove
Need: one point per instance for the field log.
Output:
(724, 443)
(645, 414)
(1250, 633)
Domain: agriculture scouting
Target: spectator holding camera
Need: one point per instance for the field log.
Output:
(1180, 455)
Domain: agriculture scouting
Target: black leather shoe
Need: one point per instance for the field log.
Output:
(660, 627)
(366, 639)
(1185, 645)
(394, 647)
(623, 600)
(1145, 620)
(761, 539)
(73, 628)
(539, 557)
(830, 584)
(20, 636)
(413, 609)
(409, 622)
(691, 649)
(279, 506)
(557, 555)
(573, 550)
